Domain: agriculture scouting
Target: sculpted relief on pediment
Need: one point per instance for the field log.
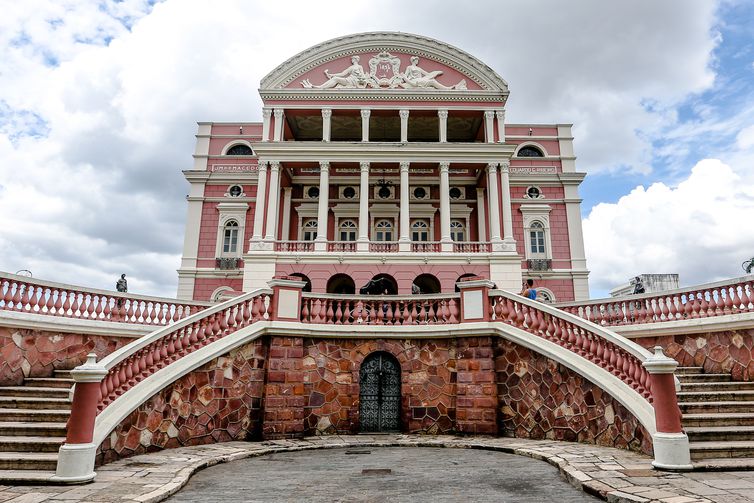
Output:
(384, 73)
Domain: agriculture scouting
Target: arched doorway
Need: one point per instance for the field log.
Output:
(380, 393)
(341, 284)
(427, 284)
(303, 277)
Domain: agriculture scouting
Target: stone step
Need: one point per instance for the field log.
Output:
(704, 378)
(715, 407)
(720, 433)
(716, 396)
(35, 415)
(719, 419)
(40, 429)
(717, 386)
(63, 373)
(34, 402)
(28, 460)
(689, 370)
(710, 465)
(25, 477)
(709, 450)
(30, 444)
(34, 391)
(49, 382)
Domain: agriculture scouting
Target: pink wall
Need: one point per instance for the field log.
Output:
(203, 287)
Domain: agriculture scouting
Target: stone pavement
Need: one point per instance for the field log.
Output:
(611, 474)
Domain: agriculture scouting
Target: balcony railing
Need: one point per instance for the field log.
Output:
(539, 264)
(471, 247)
(383, 246)
(294, 246)
(425, 246)
(388, 247)
(341, 246)
(228, 263)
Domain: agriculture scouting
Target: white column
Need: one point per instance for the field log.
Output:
(510, 242)
(489, 126)
(443, 115)
(272, 206)
(278, 124)
(481, 215)
(500, 114)
(187, 272)
(320, 243)
(365, 113)
(404, 242)
(259, 204)
(494, 202)
(363, 241)
(286, 212)
(326, 116)
(266, 114)
(404, 125)
(445, 239)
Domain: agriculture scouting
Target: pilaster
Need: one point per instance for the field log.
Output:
(404, 242)
(279, 113)
(326, 120)
(266, 115)
(320, 244)
(443, 115)
(273, 207)
(404, 125)
(365, 113)
(489, 126)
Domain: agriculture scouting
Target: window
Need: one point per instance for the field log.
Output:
(312, 192)
(419, 231)
(230, 237)
(529, 151)
(545, 296)
(235, 191)
(239, 150)
(348, 230)
(533, 192)
(349, 193)
(455, 193)
(537, 239)
(309, 230)
(457, 231)
(383, 230)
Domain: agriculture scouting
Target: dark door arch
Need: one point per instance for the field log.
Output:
(380, 393)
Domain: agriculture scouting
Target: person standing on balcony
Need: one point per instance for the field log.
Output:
(528, 290)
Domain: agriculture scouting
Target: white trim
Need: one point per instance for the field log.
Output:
(47, 323)
(235, 211)
(536, 213)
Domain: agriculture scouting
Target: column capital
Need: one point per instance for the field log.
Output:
(278, 113)
(403, 113)
(505, 166)
(442, 113)
(324, 166)
(287, 190)
(404, 166)
(266, 112)
(492, 167)
(444, 167)
(262, 164)
(326, 113)
(274, 165)
(364, 165)
(489, 114)
(365, 113)
(500, 114)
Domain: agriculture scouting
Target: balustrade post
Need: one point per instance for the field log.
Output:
(671, 444)
(76, 455)
(286, 298)
(475, 299)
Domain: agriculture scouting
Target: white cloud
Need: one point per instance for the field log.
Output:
(699, 229)
(745, 137)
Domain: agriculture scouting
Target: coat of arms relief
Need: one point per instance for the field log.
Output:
(384, 72)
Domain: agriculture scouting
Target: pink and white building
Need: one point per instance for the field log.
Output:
(383, 154)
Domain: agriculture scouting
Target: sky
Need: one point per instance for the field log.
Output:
(99, 102)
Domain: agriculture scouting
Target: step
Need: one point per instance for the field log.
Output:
(35, 415)
(718, 419)
(718, 396)
(704, 378)
(708, 450)
(15, 402)
(49, 382)
(40, 429)
(720, 433)
(63, 373)
(26, 477)
(715, 407)
(708, 465)
(28, 460)
(22, 444)
(34, 391)
(689, 370)
(717, 386)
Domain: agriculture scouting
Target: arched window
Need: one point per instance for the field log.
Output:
(529, 151)
(310, 230)
(426, 284)
(383, 230)
(341, 284)
(230, 237)
(239, 150)
(348, 230)
(537, 239)
(457, 231)
(545, 296)
(419, 231)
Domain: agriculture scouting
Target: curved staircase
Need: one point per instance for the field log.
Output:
(718, 417)
(32, 426)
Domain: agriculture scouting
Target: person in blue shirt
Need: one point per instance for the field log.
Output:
(529, 291)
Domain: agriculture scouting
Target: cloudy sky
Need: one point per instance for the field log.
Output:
(99, 102)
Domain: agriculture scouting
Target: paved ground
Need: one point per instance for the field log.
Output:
(611, 474)
(380, 475)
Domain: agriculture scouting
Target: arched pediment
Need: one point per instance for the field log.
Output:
(384, 63)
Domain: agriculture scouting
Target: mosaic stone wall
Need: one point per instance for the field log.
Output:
(218, 402)
(37, 353)
(731, 351)
(540, 399)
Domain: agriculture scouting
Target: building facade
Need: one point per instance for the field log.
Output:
(383, 160)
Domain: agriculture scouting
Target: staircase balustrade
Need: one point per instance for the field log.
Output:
(381, 310)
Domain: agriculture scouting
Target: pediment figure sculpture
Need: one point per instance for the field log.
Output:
(384, 72)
